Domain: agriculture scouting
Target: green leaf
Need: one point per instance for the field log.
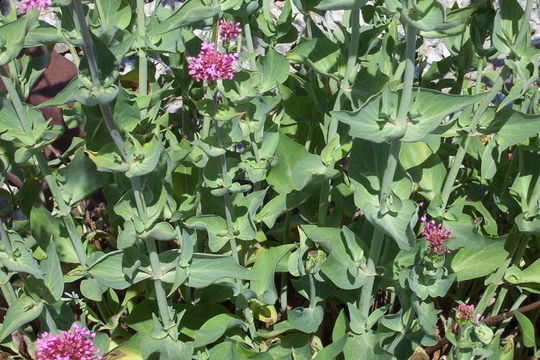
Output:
(108, 270)
(21, 260)
(147, 158)
(345, 265)
(164, 349)
(279, 205)
(79, 179)
(189, 13)
(92, 289)
(425, 167)
(306, 319)
(126, 114)
(214, 328)
(21, 312)
(202, 271)
(331, 351)
(471, 264)
(215, 226)
(45, 228)
(340, 4)
(264, 270)
(65, 96)
(527, 329)
(527, 276)
(162, 231)
(321, 54)
(275, 70)
(289, 153)
(53, 272)
(373, 121)
(506, 26)
(13, 34)
(512, 127)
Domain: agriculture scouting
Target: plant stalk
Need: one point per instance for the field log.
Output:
(143, 60)
(389, 173)
(448, 186)
(249, 42)
(348, 79)
(524, 29)
(165, 312)
(65, 210)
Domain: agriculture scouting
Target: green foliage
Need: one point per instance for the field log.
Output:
(283, 213)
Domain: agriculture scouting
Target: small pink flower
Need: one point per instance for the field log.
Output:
(27, 5)
(67, 345)
(229, 30)
(464, 312)
(211, 64)
(436, 235)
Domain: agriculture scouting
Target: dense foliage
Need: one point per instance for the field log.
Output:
(272, 180)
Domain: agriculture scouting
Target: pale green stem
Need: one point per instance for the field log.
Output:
(535, 197)
(65, 210)
(521, 298)
(248, 314)
(521, 247)
(323, 204)
(448, 186)
(49, 320)
(5, 238)
(524, 29)
(389, 173)
(284, 275)
(7, 288)
(312, 291)
(348, 78)
(165, 312)
(249, 42)
(499, 274)
(101, 13)
(143, 61)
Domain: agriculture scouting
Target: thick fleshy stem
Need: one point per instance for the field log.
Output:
(165, 312)
(348, 80)
(7, 289)
(523, 30)
(65, 210)
(143, 60)
(448, 186)
(248, 314)
(249, 42)
(391, 165)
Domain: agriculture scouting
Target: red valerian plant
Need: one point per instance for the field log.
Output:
(211, 64)
(229, 30)
(436, 235)
(253, 188)
(40, 5)
(67, 345)
(464, 312)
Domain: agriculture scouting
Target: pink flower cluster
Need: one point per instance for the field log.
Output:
(464, 312)
(27, 5)
(211, 64)
(436, 235)
(67, 345)
(229, 30)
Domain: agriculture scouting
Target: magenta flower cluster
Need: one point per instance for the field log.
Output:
(229, 30)
(211, 64)
(67, 345)
(436, 235)
(27, 5)
(464, 312)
